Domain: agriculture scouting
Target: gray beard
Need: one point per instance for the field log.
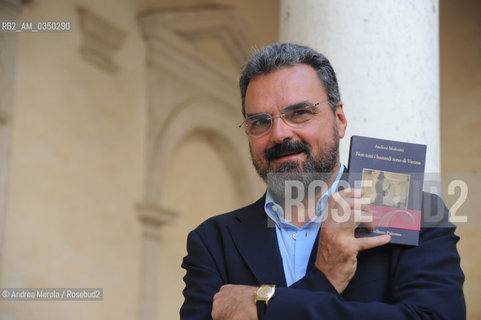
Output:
(321, 168)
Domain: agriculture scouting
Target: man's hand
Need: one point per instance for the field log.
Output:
(235, 302)
(338, 248)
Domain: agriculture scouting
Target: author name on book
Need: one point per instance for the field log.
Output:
(390, 148)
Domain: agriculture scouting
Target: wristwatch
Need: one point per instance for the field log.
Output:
(263, 295)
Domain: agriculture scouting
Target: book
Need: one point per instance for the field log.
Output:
(391, 173)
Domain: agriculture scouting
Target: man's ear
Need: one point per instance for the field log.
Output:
(340, 120)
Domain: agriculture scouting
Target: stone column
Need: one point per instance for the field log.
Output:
(386, 56)
(9, 10)
(152, 218)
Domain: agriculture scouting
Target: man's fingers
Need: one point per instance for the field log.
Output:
(372, 242)
(348, 208)
(351, 217)
(353, 198)
(362, 218)
(366, 208)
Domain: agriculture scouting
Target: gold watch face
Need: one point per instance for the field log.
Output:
(266, 291)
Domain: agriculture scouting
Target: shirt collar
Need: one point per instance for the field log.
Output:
(276, 212)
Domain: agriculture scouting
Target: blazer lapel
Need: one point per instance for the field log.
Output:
(256, 241)
(313, 256)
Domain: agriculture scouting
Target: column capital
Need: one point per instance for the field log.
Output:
(152, 214)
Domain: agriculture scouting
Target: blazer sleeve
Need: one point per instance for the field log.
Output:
(202, 279)
(425, 283)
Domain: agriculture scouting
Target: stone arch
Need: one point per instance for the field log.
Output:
(214, 121)
(190, 90)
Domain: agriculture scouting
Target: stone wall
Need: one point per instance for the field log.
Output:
(115, 157)
(120, 144)
(460, 46)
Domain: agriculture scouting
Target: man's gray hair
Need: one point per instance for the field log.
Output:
(281, 55)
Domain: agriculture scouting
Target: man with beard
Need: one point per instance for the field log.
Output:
(285, 259)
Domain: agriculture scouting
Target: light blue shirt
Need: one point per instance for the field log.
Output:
(295, 244)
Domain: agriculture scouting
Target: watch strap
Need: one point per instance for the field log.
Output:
(261, 309)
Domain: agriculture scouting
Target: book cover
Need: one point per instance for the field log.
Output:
(391, 173)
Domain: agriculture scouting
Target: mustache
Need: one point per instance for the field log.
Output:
(287, 147)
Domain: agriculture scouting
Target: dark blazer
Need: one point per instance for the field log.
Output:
(391, 282)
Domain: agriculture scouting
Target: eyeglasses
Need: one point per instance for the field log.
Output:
(294, 116)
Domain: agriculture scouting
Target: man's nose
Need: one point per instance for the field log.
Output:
(280, 131)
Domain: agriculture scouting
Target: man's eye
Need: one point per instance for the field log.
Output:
(301, 112)
(300, 115)
(258, 121)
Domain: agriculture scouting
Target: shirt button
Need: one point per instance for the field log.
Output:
(294, 236)
(274, 208)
